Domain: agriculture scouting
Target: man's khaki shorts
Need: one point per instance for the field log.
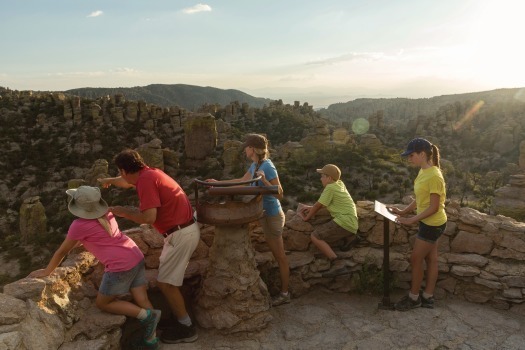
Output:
(176, 253)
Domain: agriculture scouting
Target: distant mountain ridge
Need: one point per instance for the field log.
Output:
(186, 96)
(403, 109)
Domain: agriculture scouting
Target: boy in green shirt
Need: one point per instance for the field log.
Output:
(341, 206)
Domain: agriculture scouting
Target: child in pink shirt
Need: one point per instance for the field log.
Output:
(98, 231)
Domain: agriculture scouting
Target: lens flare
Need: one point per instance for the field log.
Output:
(360, 126)
(469, 115)
(520, 95)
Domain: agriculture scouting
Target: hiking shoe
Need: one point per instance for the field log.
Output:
(281, 299)
(150, 323)
(428, 303)
(350, 244)
(406, 303)
(179, 334)
(143, 344)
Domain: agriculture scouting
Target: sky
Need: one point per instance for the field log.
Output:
(320, 52)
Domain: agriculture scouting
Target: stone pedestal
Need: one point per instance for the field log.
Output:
(233, 297)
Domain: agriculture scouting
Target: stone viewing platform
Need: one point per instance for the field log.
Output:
(480, 292)
(328, 320)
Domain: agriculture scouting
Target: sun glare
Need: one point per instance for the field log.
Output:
(471, 113)
(497, 54)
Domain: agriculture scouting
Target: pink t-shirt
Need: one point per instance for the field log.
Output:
(158, 190)
(117, 253)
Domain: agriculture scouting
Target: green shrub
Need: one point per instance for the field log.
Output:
(370, 280)
(308, 197)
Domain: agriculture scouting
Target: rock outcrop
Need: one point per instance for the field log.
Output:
(33, 220)
(200, 136)
(510, 199)
(370, 141)
(152, 153)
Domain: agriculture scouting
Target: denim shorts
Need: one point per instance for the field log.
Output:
(116, 283)
(429, 233)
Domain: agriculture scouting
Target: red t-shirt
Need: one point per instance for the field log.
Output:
(158, 190)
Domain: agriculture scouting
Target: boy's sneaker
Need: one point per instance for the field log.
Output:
(350, 244)
(406, 303)
(338, 268)
(150, 323)
(281, 299)
(179, 334)
(428, 303)
(143, 344)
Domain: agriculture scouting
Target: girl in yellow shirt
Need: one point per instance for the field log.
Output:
(430, 193)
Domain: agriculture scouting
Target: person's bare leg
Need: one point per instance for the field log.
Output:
(277, 247)
(175, 299)
(323, 247)
(108, 303)
(432, 270)
(140, 295)
(419, 253)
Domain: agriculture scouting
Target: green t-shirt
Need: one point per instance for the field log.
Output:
(430, 181)
(340, 204)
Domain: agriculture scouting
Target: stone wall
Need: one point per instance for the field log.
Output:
(480, 256)
(481, 260)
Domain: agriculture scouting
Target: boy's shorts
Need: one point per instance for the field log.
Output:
(116, 283)
(272, 226)
(330, 232)
(429, 233)
(176, 253)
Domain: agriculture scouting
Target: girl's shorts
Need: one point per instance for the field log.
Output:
(429, 233)
(116, 283)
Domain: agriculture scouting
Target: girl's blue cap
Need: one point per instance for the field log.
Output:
(417, 145)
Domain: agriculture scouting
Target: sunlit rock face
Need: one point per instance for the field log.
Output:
(152, 153)
(200, 136)
(33, 220)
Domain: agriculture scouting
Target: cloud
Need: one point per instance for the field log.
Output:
(126, 70)
(401, 54)
(354, 56)
(120, 71)
(95, 14)
(296, 78)
(197, 8)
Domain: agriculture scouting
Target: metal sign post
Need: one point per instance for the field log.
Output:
(381, 209)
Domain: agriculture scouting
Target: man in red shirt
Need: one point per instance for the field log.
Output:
(164, 205)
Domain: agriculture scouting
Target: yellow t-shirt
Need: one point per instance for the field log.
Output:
(427, 182)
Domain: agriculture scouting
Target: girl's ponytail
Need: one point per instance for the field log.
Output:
(105, 223)
(435, 156)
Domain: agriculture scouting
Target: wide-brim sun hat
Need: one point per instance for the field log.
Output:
(331, 170)
(86, 202)
(417, 145)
